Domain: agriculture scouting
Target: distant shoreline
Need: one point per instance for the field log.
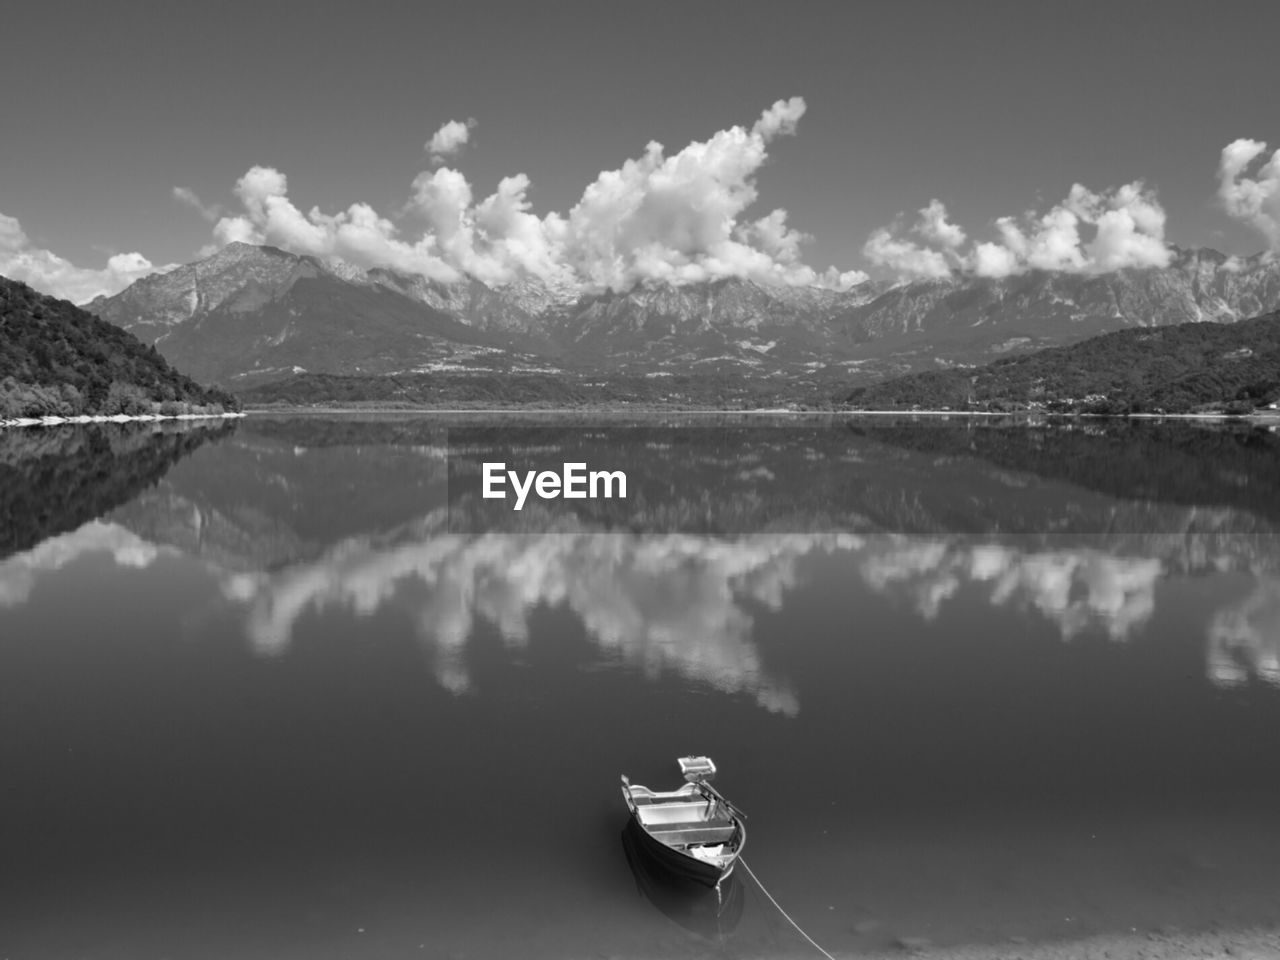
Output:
(1268, 416)
(1261, 417)
(117, 418)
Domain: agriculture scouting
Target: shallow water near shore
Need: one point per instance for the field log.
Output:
(972, 683)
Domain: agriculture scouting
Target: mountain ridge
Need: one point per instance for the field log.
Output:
(241, 306)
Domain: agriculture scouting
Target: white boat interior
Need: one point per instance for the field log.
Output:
(686, 819)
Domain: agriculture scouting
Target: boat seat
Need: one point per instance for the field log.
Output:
(683, 798)
(702, 831)
(674, 813)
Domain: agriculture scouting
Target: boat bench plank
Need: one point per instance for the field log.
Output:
(642, 800)
(704, 831)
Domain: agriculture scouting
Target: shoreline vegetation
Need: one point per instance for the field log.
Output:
(58, 362)
(115, 418)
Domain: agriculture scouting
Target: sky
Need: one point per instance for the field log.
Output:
(501, 140)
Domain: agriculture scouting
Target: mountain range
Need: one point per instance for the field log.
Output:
(251, 314)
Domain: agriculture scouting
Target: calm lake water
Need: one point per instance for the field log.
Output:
(278, 690)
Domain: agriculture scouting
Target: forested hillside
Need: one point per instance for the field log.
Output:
(58, 360)
(1233, 367)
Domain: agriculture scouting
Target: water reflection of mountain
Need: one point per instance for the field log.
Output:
(296, 516)
(1232, 465)
(284, 490)
(308, 513)
(53, 479)
(281, 491)
(816, 476)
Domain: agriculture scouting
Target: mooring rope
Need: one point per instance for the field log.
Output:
(753, 876)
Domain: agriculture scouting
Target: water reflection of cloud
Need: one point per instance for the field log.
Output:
(1244, 639)
(1077, 589)
(684, 604)
(678, 603)
(18, 573)
(673, 603)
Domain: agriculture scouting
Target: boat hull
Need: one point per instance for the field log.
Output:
(706, 911)
(679, 865)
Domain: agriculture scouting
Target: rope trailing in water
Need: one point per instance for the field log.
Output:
(753, 876)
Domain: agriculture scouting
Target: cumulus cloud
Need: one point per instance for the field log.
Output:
(1254, 200)
(49, 273)
(1126, 226)
(935, 227)
(675, 218)
(905, 257)
(679, 218)
(450, 138)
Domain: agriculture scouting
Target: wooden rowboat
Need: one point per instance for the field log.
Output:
(692, 831)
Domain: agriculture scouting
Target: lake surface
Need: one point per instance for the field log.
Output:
(278, 690)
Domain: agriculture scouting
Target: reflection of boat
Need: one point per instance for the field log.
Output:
(693, 832)
(689, 904)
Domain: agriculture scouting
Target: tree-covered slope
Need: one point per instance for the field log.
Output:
(1177, 369)
(56, 359)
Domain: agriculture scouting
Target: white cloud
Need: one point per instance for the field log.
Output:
(358, 234)
(450, 138)
(905, 257)
(1127, 226)
(49, 273)
(1254, 200)
(842, 279)
(935, 258)
(935, 227)
(780, 119)
(677, 218)
(211, 212)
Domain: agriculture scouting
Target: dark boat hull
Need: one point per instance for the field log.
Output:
(696, 907)
(679, 865)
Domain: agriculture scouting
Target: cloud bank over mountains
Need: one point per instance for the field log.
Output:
(1086, 232)
(678, 218)
(1252, 200)
(47, 272)
(1124, 227)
